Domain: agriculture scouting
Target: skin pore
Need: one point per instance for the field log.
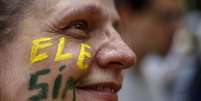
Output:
(81, 58)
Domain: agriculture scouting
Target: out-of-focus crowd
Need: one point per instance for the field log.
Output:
(166, 37)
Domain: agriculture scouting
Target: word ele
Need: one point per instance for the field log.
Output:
(45, 42)
(43, 87)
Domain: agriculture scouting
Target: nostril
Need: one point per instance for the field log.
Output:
(115, 63)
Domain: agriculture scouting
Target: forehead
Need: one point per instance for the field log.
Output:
(82, 3)
(48, 6)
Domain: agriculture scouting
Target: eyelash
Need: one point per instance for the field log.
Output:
(78, 29)
(79, 24)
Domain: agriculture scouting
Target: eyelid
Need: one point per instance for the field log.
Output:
(71, 30)
(89, 12)
(73, 23)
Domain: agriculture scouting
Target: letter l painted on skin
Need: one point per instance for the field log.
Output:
(59, 55)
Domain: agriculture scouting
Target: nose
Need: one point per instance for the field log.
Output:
(116, 53)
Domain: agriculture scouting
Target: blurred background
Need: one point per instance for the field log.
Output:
(166, 37)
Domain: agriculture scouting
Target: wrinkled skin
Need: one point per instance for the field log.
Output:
(54, 18)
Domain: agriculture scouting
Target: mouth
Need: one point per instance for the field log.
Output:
(105, 91)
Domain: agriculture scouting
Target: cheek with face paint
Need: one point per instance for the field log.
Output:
(59, 81)
(37, 44)
(43, 87)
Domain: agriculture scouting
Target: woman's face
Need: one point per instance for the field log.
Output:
(65, 50)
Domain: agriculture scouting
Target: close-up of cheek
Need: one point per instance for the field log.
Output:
(56, 66)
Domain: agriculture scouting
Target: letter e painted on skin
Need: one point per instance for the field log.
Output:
(36, 45)
(83, 54)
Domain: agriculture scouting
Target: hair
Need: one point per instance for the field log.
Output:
(10, 11)
(134, 5)
(198, 5)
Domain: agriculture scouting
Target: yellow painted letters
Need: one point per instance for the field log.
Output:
(83, 54)
(59, 55)
(36, 45)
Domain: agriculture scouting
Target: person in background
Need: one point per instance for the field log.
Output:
(150, 26)
(193, 23)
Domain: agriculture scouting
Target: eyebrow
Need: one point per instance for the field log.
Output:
(90, 11)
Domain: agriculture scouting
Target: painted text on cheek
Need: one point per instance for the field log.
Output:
(45, 42)
(41, 89)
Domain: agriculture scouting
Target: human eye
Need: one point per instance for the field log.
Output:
(78, 29)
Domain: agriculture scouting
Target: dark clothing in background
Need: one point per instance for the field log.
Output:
(195, 88)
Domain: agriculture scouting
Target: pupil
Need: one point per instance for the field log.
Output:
(79, 26)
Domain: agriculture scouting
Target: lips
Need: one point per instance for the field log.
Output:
(102, 87)
(105, 91)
